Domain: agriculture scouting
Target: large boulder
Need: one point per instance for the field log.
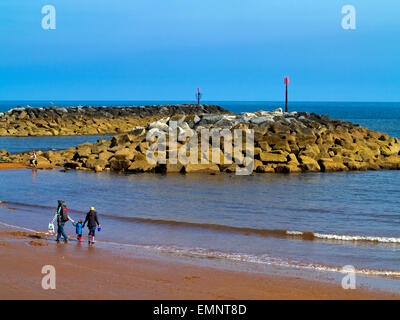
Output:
(93, 163)
(287, 168)
(141, 166)
(308, 164)
(201, 168)
(119, 165)
(328, 165)
(125, 154)
(174, 168)
(83, 152)
(270, 157)
(105, 155)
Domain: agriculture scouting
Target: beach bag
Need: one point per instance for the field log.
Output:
(51, 228)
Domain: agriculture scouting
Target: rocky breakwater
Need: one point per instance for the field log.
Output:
(283, 143)
(54, 121)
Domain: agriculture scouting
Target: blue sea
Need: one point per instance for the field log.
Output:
(315, 223)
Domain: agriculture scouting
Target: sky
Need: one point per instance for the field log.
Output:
(231, 49)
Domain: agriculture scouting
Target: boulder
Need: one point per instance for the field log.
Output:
(328, 165)
(355, 165)
(292, 160)
(174, 168)
(269, 157)
(119, 165)
(141, 166)
(287, 168)
(201, 168)
(105, 155)
(229, 168)
(308, 164)
(83, 152)
(259, 120)
(124, 154)
(264, 145)
(93, 163)
(268, 168)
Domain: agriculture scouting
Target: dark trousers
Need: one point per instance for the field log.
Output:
(60, 231)
(92, 231)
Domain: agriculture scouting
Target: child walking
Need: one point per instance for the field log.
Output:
(79, 226)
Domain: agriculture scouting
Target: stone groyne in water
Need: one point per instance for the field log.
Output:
(55, 121)
(283, 143)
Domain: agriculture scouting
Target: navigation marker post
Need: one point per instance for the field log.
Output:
(198, 96)
(286, 81)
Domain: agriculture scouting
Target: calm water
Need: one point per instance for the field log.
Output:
(353, 216)
(304, 221)
(20, 144)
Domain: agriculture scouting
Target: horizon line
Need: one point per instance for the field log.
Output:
(189, 101)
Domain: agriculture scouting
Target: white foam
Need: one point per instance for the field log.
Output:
(344, 237)
(357, 238)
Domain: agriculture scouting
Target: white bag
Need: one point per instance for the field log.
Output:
(51, 228)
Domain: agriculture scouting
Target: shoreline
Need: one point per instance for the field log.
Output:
(103, 273)
(17, 165)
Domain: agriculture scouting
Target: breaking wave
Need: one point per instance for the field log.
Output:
(280, 233)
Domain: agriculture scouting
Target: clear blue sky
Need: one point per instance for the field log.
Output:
(232, 49)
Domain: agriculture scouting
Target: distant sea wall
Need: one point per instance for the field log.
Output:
(55, 121)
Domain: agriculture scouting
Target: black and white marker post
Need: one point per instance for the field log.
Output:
(286, 81)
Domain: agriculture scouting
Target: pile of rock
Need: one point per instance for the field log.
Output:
(53, 121)
(283, 143)
(3, 153)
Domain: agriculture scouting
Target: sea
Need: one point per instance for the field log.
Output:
(316, 224)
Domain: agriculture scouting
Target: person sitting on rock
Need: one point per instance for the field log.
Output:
(34, 161)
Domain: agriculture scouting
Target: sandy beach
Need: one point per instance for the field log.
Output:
(98, 273)
(7, 166)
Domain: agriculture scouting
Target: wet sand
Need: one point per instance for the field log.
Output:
(6, 166)
(98, 273)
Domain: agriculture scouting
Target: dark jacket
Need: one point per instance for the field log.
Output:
(91, 219)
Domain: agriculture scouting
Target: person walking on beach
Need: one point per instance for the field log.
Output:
(62, 217)
(93, 222)
(34, 161)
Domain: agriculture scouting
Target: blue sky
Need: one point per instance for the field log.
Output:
(232, 49)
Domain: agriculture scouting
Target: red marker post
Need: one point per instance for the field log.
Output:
(198, 95)
(286, 81)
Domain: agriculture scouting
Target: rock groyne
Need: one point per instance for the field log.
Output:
(283, 143)
(54, 121)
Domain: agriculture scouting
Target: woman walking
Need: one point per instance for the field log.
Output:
(93, 222)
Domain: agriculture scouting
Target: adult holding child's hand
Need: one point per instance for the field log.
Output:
(62, 217)
(93, 222)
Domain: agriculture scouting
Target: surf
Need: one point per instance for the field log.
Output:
(247, 231)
